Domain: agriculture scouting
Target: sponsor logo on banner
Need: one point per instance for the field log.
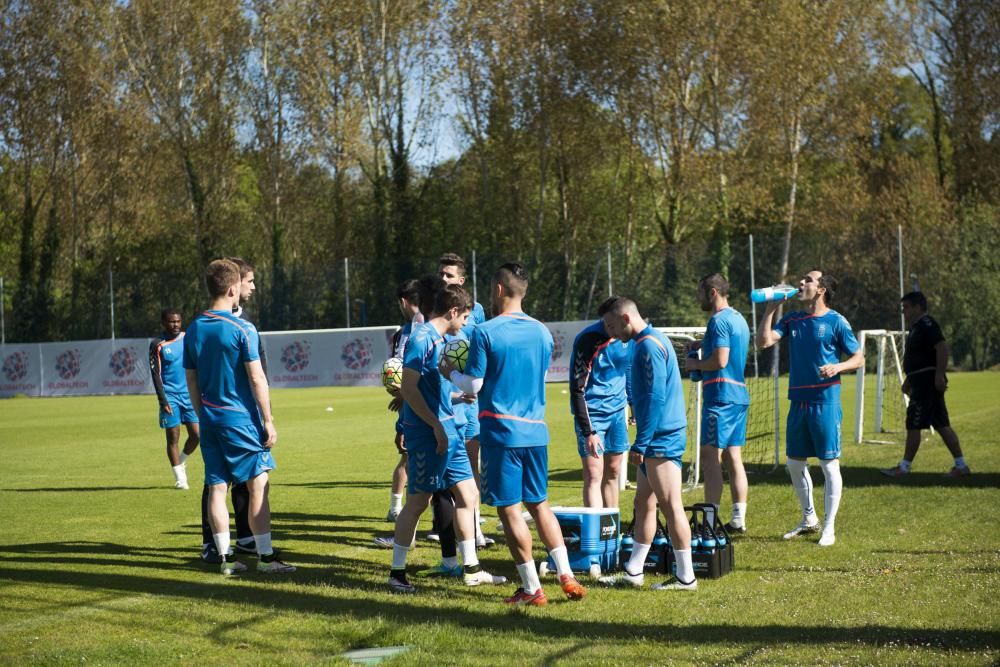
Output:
(357, 355)
(295, 358)
(123, 364)
(558, 343)
(15, 368)
(557, 370)
(68, 367)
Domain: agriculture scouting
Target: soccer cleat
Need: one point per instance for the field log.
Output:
(441, 570)
(274, 566)
(623, 578)
(676, 585)
(827, 538)
(398, 583)
(384, 542)
(957, 472)
(894, 473)
(803, 528)
(483, 542)
(231, 567)
(734, 530)
(522, 599)
(210, 554)
(573, 589)
(248, 547)
(391, 516)
(483, 577)
(181, 484)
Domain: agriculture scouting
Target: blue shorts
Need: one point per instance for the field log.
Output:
(813, 429)
(234, 453)
(428, 472)
(723, 425)
(670, 445)
(612, 430)
(472, 425)
(183, 412)
(511, 475)
(677, 462)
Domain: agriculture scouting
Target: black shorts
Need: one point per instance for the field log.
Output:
(923, 413)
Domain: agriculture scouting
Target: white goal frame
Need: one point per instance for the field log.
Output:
(889, 365)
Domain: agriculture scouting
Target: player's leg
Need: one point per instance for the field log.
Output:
(466, 496)
(593, 469)
(665, 479)
(942, 424)
(173, 435)
(444, 514)
(398, 480)
(615, 439)
(825, 424)
(217, 476)
(643, 532)
(609, 483)
(425, 471)
(241, 516)
(711, 452)
(918, 418)
(798, 447)
(732, 437)
(193, 438)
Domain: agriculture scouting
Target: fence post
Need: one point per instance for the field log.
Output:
(111, 293)
(347, 291)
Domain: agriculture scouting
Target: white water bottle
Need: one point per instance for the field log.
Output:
(773, 293)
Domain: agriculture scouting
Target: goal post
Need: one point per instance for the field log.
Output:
(879, 402)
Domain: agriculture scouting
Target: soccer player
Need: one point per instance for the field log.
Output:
(408, 295)
(240, 493)
(451, 269)
(725, 398)
(817, 336)
(166, 367)
(437, 458)
(508, 359)
(229, 390)
(925, 362)
(660, 441)
(598, 395)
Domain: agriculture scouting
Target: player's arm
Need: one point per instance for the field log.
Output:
(941, 354)
(471, 381)
(262, 355)
(193, 391)
(413, 397)
(767, 334)
(716, 362)
(262, 394)
(847, 342)
(155, 372)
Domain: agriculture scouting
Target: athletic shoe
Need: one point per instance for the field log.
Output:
(251, 548)
(957, 472)
(623, 578)
(210, 554)
(384, 542)
(520, 598)
(391, 516)
(483, 577)
(398, 583)
(827, 538)
(483, 542)
(181, 484)
(442, 570)
(735, 530)
(895, 473)
(231, 567)
(803, 528)
(433, 537)
(573, 589)
(274, 566)
(676, 585)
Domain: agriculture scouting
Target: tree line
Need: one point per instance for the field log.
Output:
(139, 140)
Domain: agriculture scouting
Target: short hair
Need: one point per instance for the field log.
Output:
(167, 312)
(716, 281)
(513, 277)
(451, 259)
(220, 275)
(244, 266)
(915, 299)
(409, 289)
(428, 287)
(829, 283)
(452, 296)
(615, 304)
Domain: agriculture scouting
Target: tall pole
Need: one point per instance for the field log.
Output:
(753, 307)
(474, 297)
(111, 292)
(3, 320)
(611, 289)
(347, 291)
(899, 236)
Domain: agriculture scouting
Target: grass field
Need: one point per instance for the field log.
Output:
(99, 555)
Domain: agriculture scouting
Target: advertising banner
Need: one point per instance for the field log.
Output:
(339, 357)
(96, 367)
(20, 370)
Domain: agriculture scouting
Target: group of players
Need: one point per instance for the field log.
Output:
(493, 410)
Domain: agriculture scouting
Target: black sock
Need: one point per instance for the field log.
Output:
(206, 528)
(472, 569)
(444, 506)
(241, 511)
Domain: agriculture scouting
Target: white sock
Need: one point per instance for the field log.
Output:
(803, 485)
(399, 553)
(561, 559)
(637, 560)
(685, 570)
(184, 457)
(739, 514)
(904, 465)
(396, 502)
(529, 577)
(221, 542)
(467, 550)
(180, 475)
(450, 562)
(479, 529)
(263, 544)
(960, 461)
(831, 491)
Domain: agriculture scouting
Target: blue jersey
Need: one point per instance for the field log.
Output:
(166, 365)
(599, 379)
(511, 353)
(726, 328)
(476, 317)
(657, 390)
(217, 346)
(815, 341)
(423, 352)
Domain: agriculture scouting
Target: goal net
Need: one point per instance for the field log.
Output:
(879, 402)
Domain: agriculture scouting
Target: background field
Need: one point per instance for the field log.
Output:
(99, 555)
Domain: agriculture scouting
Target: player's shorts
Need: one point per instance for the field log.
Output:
(612, 430)
(723, 424)
(677, 462)
(427, 471)
(472, 425)
(813, 429)
(670, 445)
(234, 453)
(512, 475)
(925, 413)
(184, 413)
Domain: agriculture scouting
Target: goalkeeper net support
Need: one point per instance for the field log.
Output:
(879, 402)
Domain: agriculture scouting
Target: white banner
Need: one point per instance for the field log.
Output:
(563, 335)
(79, 368)
(20, 370)
(332, 357)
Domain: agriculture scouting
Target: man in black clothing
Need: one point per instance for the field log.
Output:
(925, 362)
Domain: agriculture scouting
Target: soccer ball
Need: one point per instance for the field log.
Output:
(392, 373)
(456, 352)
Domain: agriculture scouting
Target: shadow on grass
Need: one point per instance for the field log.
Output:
(58, 489)
(859, 477)
(434, 610)
(333, 484)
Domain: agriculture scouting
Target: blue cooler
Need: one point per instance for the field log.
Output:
(591, 537)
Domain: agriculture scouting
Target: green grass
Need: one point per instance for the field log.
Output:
(99, 555)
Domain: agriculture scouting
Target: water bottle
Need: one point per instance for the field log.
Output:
(695, 375)
(773, 293)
